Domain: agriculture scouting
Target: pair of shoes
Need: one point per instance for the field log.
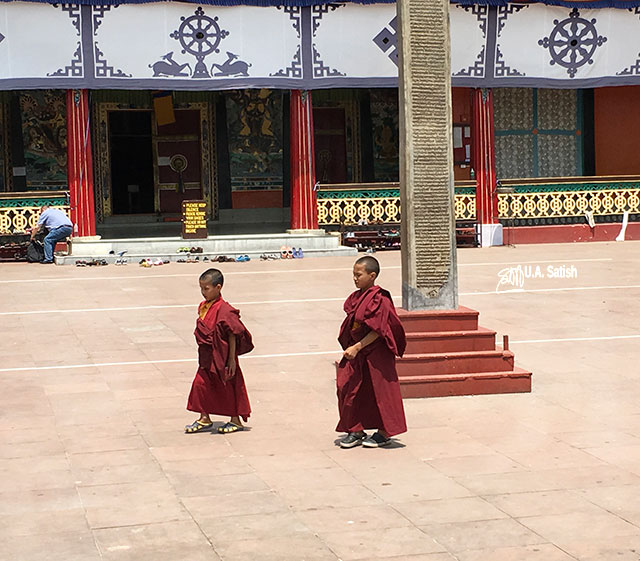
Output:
(81, 263)
(243, 258)
(46, 262)
(270, 256)
(230, 427)
(121, 261)
(183, 250)
(353, 439)
(146, 263)
(195, 250)
(297, 253)
(158, 262)
(286, 252)
(198, 426)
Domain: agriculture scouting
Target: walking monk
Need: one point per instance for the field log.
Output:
(368, 388)
(218, 388)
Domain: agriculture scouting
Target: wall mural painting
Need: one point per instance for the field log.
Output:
(384, 118)
(44, 132)
(254, 120)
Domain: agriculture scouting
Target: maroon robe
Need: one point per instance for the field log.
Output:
(368, 388)
(209, 394)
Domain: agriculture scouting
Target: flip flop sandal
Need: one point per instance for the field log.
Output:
(197, 426)
(229, 427)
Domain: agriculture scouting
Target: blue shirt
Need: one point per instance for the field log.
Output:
(53, 218)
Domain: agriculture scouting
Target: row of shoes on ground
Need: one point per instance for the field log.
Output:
(189, 250)
(291, 253)
(152, 262)
(91, 263)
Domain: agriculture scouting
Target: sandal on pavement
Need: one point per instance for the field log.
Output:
(229, 428)
(376, 440)
(197, 426)
(353, 439)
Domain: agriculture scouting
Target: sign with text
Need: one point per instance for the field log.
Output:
(194, 220)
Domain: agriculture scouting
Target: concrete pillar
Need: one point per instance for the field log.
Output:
(304, 211)
(429, 272)
(79, 164)
(484, 164)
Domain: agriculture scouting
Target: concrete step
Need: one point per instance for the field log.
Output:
(510, 381)
(312, 244)
(462, 319)
(480, 339)
(134, 258)
(454, 363)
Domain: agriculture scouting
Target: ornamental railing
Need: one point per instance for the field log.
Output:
(20, 210)
(567, 200)
(377, 203)
(557, 200)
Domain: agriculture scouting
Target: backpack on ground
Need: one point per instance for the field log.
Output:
(35, 252)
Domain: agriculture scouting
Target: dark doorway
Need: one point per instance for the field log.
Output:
(330, 139)
(130, 146)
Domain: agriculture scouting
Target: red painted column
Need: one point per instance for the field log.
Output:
(484, 160)
(304, 211)
(79, 164)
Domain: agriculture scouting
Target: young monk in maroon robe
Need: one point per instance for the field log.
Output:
(218, 388)
(368, 388)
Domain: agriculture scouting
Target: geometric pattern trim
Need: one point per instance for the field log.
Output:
(19, 213)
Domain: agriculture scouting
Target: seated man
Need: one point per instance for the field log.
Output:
(58, 226)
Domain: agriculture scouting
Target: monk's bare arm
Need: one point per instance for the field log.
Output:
(351, 352)
(231, 360)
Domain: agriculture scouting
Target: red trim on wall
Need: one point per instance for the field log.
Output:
(616, 115)
(568, 233)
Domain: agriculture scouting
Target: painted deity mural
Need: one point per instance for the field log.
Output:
(44, 133)
(254, 120)
(384, 119)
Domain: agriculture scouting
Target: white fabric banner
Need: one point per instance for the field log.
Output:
(40, 41)
(183, 46)
(175, 41)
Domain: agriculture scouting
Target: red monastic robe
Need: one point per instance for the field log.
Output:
(368, 388)
(209, 394)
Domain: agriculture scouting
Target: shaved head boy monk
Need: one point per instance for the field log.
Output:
(368, 388)
(218, 388)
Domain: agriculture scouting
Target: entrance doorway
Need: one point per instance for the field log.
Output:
(330, 144)
(131, 149)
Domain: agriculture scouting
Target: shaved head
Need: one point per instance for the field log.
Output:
(213, 277)
(370, 264)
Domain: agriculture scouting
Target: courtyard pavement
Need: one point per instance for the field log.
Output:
(96, 365)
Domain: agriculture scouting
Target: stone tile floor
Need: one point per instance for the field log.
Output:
(96, 364)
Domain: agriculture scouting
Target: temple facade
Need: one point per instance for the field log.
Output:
(286, 116)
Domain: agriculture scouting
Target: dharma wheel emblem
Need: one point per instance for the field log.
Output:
(199, 35)
(572, 42)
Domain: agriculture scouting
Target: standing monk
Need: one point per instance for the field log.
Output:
(368, 388)
(218, 388)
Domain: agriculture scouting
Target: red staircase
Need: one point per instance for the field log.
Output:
(449, 354)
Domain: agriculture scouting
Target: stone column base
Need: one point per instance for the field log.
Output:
(491, 234)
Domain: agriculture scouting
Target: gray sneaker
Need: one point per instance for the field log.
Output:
(353, 439)
(376, 440)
